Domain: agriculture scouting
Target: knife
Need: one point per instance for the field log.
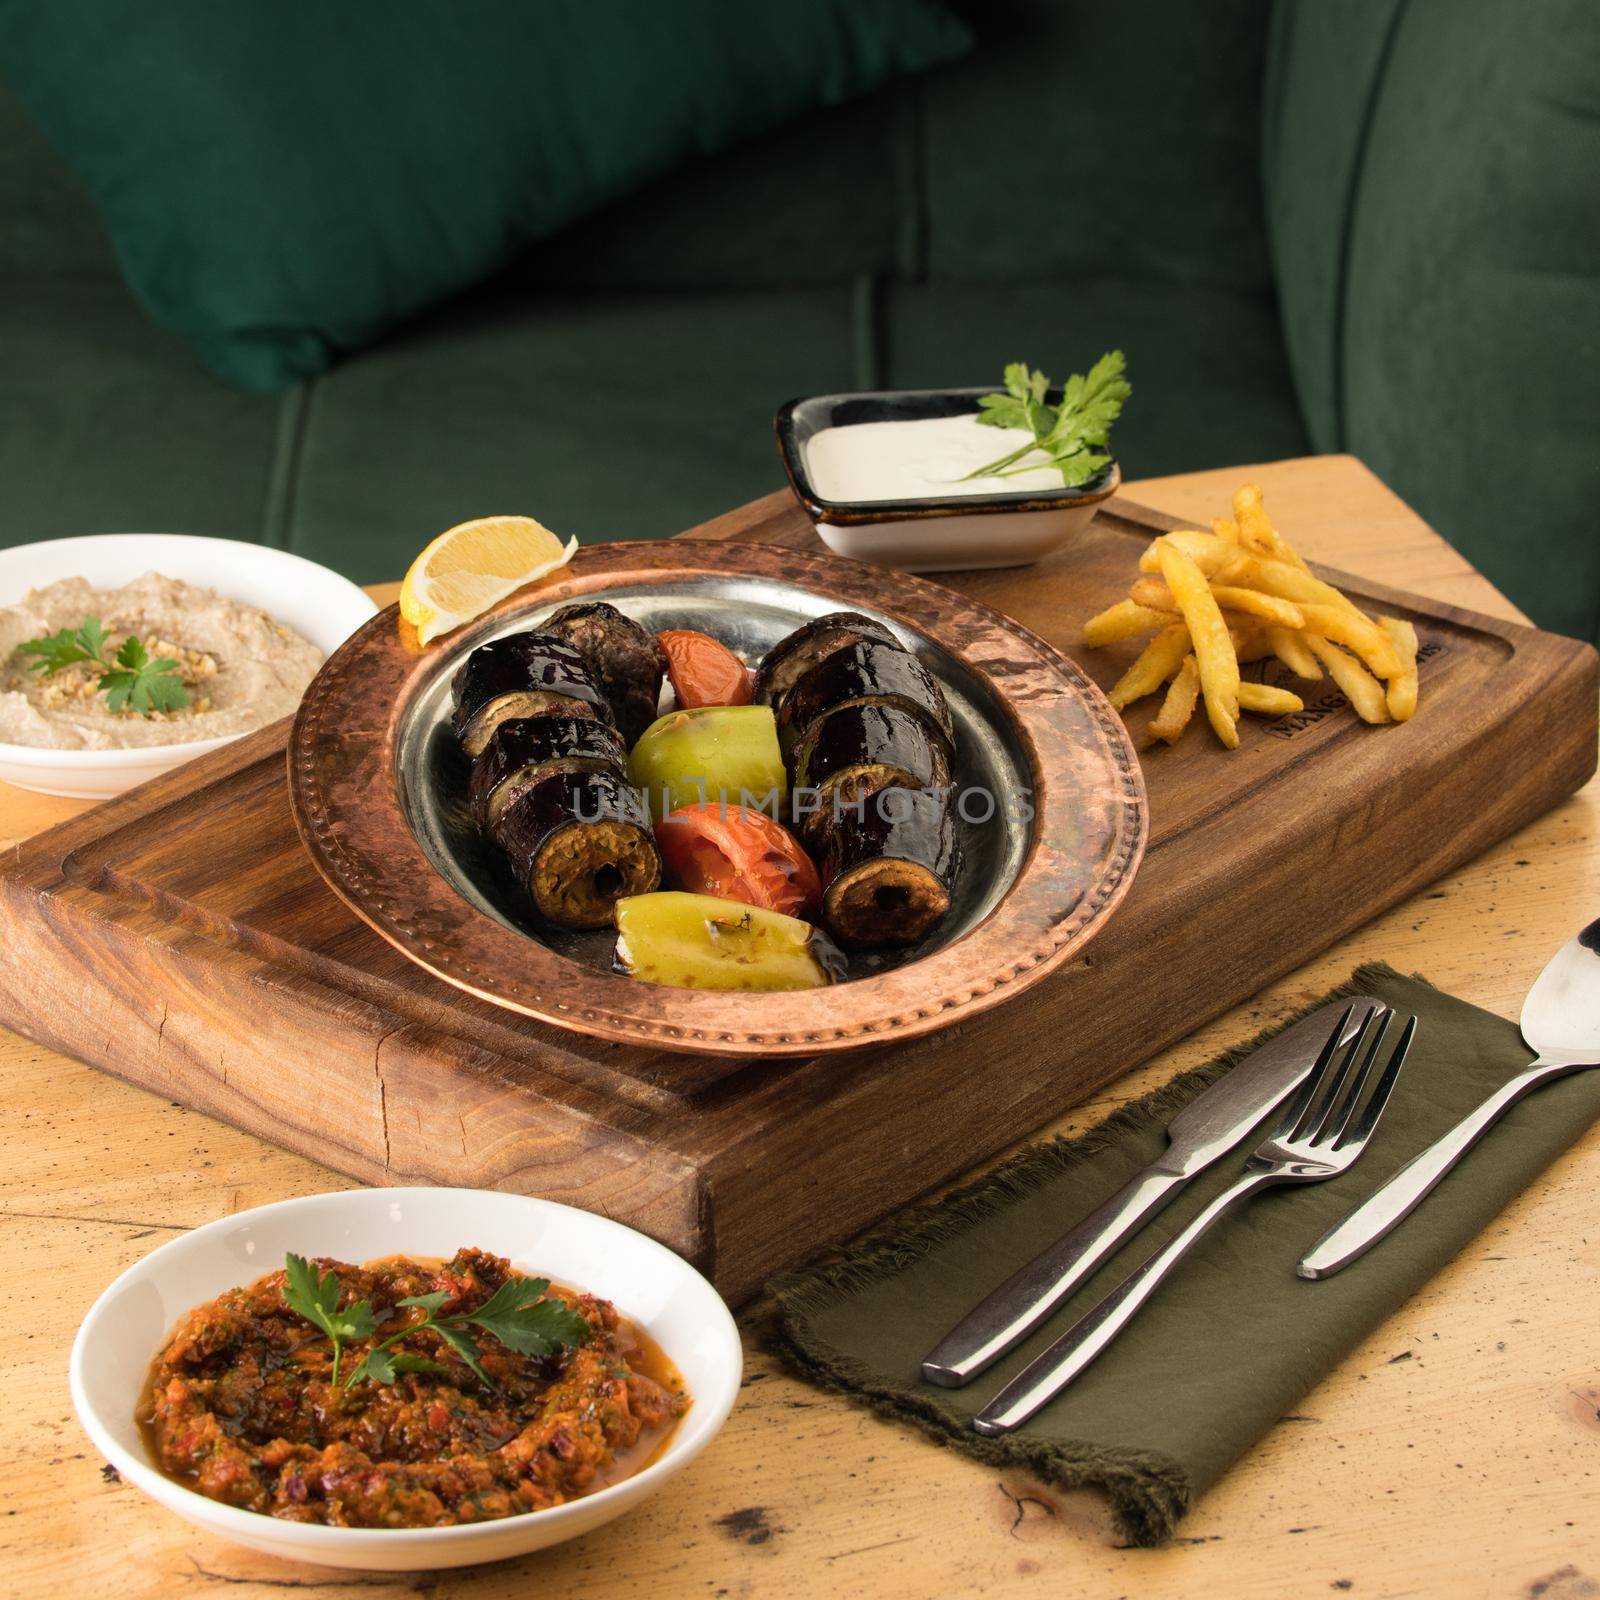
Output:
(1206, 1129)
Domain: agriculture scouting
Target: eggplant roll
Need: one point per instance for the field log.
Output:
(855, 751)
(792, 657)
(889, 871)
(522, 675)
(521, 751)
(579, 842)
(622, 656)
(870, 673)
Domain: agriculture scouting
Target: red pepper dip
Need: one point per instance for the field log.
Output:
(242, 1407)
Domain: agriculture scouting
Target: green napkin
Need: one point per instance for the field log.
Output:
(1234, 1338)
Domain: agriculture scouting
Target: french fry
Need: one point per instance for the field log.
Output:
(1242, 593)
(1255, 532)
(1256, 529)
(1249, 638)
(1213, 648)
(1153, 593)
(1124, 620)
(1361, 689)
(1290, 649)
(1365, 637)
(1401, 697)
(1206, 550)
(1290, 583)
(1234, 573)
(1269, 607)
(1287, 552)
(1183, 693)
(1271, 702)
(1157, 662)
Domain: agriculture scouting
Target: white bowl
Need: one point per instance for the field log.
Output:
(964, 541)
(318, 604)
(953, 533)
(128, 1325)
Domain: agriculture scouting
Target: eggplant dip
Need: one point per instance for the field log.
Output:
(155, 662)
(407, 1394)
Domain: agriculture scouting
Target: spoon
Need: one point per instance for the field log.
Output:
(1561, 1023)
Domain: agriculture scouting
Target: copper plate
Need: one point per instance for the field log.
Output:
(377, 788)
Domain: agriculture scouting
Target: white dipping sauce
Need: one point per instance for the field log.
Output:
(924, 460)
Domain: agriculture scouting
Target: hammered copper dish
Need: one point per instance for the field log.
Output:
(378, 789)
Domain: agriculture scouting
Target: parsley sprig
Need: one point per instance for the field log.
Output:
(67, 648)
(132, 681)
(1067, 433)
(518, 1314)
(315, 1296)
(145, 685)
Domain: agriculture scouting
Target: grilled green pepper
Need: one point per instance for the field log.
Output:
(722, 754)
(693, 941)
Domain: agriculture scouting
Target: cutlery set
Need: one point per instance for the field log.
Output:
(1329, 1078)
(1560, 1022)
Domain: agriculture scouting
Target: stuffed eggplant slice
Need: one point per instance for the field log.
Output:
(870, 673)
(795, 655)
(579, 842)
(522, 675)
(890, 867)
(854, 751)
(523, 750)
(622, 656)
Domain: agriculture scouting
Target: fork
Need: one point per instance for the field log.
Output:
(1324, 1127)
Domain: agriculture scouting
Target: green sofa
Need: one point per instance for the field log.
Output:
(1364, 225)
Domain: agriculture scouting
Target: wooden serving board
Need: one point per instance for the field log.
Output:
(180, 937)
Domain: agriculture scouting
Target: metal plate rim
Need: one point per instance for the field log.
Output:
(347, 809)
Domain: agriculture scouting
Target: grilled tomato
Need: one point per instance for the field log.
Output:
(704, 671)
(739, 855)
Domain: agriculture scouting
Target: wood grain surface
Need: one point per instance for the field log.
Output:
(181, 937)
(1454, 1454)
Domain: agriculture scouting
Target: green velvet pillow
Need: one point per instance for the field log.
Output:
(1433, 178)
(284, 181)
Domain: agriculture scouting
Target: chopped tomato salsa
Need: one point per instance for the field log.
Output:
(242, 1406)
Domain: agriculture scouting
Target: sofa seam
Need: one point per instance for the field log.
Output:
(283, 469)
(1358, 167)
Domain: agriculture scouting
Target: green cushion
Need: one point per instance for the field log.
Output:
(1210, 383)
(1324, 64)
(285, 182)
(107, 425)
(1452, 336)
(818, 201)
(1079, 139)
(48, 224)
(473, 414)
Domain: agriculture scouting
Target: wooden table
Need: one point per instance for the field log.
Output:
(1456, 1453)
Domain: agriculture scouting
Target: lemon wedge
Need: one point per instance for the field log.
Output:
(471, 566)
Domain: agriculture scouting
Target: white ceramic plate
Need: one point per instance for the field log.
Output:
(127, 1326)
(318, 604)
